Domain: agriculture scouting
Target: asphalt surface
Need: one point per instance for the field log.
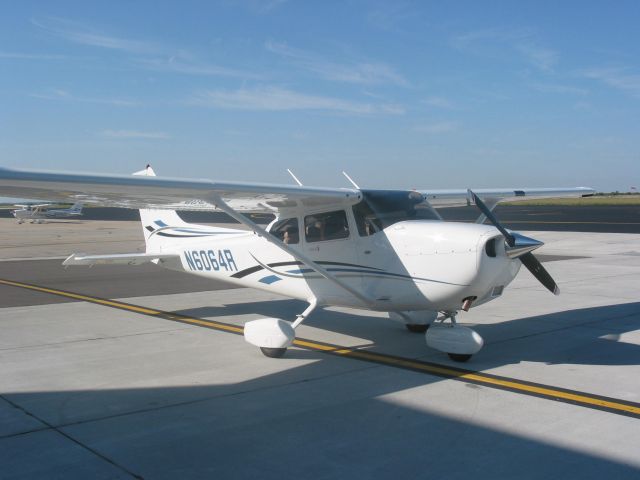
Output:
(110, 281)
(106, 281)
(606, 219)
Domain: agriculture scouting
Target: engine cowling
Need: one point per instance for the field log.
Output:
(451, 262)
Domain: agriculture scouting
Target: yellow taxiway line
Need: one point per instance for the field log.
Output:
(612, 405)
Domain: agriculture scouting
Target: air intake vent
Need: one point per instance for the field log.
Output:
(497, 291)
(490, 248)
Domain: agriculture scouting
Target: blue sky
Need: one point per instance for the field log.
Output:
(400, 94)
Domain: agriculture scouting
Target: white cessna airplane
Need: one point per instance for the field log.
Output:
(37, 213)
(383, 250)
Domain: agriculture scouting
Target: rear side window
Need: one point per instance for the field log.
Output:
(287, 231)
(326, 226)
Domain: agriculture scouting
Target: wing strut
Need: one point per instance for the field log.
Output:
(218, 202)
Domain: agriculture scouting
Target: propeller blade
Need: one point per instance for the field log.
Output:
(516, 245)
(538, 271)
(492, 218)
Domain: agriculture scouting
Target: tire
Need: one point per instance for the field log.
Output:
(273, 352)
(417, 327)
(459, 357)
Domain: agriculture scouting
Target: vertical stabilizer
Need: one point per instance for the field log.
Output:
(153, 219)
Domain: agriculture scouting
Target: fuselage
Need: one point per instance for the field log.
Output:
(410, 265)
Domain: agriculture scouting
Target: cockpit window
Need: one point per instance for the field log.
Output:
(326, 226)
(382, 208)
(366, 219)
(287, 231)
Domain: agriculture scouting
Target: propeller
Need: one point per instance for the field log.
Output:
(520, 246)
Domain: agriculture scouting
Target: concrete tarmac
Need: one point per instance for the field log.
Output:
(91, 390)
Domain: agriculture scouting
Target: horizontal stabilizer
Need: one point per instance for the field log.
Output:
(116, 259)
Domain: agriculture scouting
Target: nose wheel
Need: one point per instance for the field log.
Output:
(459, 357)
(273, 352)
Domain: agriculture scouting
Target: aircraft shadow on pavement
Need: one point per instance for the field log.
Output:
(587, 336)
(315, 420)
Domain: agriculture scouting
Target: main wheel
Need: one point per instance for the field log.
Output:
(459, 357)
(273, 352)
(417, 327)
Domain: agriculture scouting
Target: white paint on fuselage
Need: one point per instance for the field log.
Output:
(411, 265)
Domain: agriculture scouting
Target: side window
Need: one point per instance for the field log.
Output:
(287, 231)
(366, 220)
(326, 226)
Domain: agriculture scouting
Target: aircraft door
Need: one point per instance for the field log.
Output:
(365, 242)
(329, 241)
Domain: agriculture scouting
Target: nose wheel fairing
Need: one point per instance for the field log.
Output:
(459, 342)
(273, 335)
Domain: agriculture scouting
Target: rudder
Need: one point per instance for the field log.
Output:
(153, 219)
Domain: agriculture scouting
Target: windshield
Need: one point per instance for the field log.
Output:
(382, 208)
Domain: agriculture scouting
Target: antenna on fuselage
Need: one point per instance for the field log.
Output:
(295, 178)
(350, 180)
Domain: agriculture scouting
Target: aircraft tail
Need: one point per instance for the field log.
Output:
(76, 207)
(164, 229)
(154, 219)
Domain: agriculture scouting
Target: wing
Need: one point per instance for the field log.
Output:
(193, 194)
(130, 191)
(32, 205)
(452, 198)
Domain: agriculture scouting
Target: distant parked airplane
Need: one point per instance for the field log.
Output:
(37, 213)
